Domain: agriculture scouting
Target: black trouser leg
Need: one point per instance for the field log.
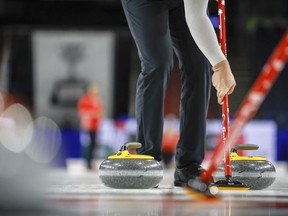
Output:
(195, 93)
(148, 22)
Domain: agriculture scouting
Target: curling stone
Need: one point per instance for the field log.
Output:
(255, 171)
(130, 171)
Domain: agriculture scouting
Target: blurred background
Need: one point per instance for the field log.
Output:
(50, 50)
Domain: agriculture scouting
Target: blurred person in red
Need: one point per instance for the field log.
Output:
(90, 110)
(169, 143)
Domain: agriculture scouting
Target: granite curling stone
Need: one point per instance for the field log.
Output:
(130, 171)
(255, 171)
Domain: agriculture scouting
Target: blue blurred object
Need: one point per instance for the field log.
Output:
(71, 142)
(282, 147)
(70, 147)
(215, 22)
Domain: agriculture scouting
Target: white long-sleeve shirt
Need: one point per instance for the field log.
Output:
(202, 30)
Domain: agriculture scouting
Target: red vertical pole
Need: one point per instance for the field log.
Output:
(225, 106)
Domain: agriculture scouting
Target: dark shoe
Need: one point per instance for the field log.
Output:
(182, 176)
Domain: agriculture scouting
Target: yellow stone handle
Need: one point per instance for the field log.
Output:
(133, 145)
(245, 147)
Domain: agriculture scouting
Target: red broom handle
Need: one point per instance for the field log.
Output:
(225, 105)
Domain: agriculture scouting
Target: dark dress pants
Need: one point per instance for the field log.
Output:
(91, 148)
(159, 28)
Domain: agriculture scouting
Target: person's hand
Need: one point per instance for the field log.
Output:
(223, 80)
